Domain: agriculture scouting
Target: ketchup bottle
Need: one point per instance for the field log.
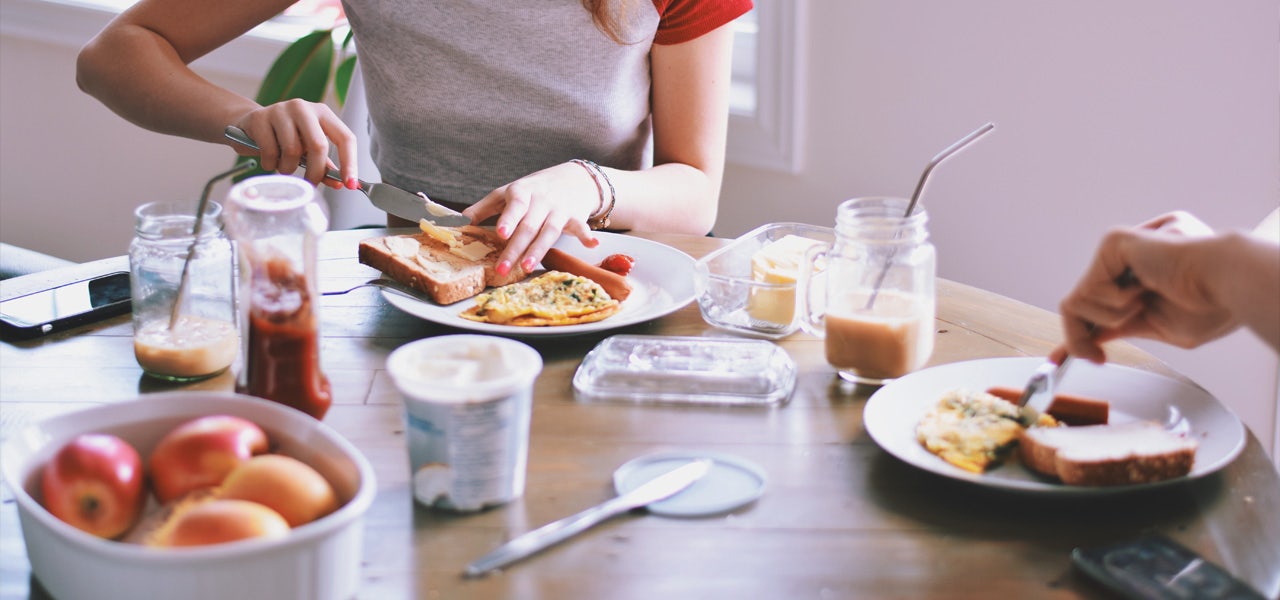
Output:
(276, 222)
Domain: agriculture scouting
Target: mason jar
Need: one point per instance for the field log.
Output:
(276, 221)
(182, 331)
(876, 308)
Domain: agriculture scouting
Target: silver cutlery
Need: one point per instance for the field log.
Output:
(661, 487)
(380, 282)
(394, 200)
(1042, 384)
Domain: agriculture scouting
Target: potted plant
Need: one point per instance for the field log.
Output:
(308, 68)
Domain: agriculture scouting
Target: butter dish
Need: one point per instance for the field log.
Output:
(749, 286)
(686, 370)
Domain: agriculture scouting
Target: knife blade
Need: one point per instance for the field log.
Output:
(661, 487)
(1038, 393)
(387, 197)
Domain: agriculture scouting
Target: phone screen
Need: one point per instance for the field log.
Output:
(73, 303)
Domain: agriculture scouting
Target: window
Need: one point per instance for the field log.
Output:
(73, 22)
(764, 114)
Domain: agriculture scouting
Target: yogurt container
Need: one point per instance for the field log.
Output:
(468, 401)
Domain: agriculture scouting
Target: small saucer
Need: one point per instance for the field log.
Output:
(731, 483)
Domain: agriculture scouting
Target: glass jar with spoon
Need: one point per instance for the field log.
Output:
(182, 330)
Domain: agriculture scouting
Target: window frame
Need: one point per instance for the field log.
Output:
(72, 23)
(767, 135)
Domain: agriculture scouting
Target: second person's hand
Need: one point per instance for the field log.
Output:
(1165, 303)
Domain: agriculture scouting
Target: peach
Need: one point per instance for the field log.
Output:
(219, 521)
(285, 484)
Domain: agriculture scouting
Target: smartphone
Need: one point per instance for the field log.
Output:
(66, 306)
(1155, 567)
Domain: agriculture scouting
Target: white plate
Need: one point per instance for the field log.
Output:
(731, 483)
(661, 283)
(892, 412)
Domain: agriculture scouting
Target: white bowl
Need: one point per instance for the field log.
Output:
(317, 560)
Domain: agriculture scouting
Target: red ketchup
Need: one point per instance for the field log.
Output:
(283, 356)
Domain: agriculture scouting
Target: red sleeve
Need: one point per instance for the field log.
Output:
(684, 20)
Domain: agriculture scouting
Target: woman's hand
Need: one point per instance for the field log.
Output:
(535, 210)
(293, 131)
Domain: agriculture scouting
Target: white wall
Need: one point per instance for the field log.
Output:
(71, 171)
(1107, 113)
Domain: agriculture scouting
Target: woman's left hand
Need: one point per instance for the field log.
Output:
(535, 210)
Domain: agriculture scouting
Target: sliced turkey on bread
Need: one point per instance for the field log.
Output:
(449, 264)
(1103, 455)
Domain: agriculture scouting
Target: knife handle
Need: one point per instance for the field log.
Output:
(238, 136)
(546, 536)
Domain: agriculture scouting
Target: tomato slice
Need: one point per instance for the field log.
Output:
(618, 263)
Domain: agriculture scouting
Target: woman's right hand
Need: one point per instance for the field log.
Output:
(290, 131)
(1170, 258)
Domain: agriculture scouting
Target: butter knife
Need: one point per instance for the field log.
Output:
(661, 487)
(394, 200)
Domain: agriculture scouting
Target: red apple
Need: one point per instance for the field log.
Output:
(95, 483)
(201, 452)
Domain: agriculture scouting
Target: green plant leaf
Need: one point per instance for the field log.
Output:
(301, 71)
(342, 78)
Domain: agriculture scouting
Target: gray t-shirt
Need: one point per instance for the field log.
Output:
(469, 95)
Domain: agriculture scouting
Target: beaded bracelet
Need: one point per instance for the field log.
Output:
(600, 218)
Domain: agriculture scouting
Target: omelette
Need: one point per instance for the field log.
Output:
(974, 430)
(552, 298)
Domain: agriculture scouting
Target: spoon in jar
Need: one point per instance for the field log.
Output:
(243, 167)
(924, 177)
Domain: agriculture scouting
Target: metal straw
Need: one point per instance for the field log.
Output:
(246, 166)
(915, 196)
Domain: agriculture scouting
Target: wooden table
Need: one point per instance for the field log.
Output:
(841, 518)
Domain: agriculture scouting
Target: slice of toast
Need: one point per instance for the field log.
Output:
(1102, 455)
(449, 264)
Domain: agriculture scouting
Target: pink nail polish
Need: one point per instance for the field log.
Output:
(353, 183)
(503, 267)
(528, 264)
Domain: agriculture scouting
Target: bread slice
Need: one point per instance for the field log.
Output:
(449, 264)
(1104, 455)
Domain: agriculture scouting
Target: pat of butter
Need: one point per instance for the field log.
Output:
(778, 262)
(403, 246)
(433, 208)
(473, 251)
(445, 236)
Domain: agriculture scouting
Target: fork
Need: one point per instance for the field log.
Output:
(380, 282)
